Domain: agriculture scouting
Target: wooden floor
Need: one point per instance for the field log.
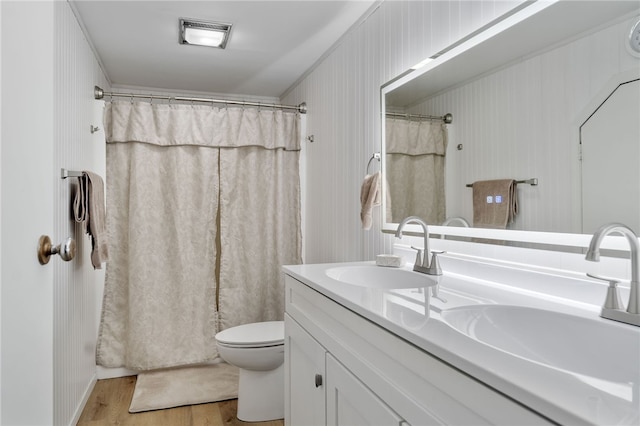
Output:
(109, 405)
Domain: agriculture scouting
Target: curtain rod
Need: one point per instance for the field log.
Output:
(447, 118)
(98, 93)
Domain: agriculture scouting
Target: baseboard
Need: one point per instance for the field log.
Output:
(85, 398)
(111, 373)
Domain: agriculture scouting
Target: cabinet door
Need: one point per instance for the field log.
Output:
(351, 403)
(304, 377)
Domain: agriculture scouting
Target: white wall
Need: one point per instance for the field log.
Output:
(77, 286)
(343, 97)
(522, 122)
(48, 313)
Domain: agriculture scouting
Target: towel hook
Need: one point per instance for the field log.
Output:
(375, 156)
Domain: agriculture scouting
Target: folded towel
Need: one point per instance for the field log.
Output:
(369, 197)
(495, 203)
(88, 207)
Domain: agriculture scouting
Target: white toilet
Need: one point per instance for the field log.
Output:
(258, 350)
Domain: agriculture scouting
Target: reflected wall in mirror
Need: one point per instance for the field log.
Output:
(518, 99)
(610, 141)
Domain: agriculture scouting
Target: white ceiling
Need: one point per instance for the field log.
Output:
(272, 43)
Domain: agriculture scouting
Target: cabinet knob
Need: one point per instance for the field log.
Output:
(318, 380)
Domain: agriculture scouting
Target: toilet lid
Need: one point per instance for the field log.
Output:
(257, 334)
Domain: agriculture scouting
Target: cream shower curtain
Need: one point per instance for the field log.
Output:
(256, 232)
(415, 161)
(202, 211)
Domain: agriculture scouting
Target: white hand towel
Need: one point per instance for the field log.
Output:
(369, 197)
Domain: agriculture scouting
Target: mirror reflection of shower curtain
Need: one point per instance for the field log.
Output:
(415, 161)
(182, 192)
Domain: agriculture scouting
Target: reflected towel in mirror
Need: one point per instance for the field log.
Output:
(495, 203)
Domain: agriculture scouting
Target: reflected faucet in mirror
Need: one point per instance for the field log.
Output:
(632, 314)
(461, 220)
(450, 221)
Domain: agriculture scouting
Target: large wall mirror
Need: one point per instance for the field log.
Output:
(525, 93)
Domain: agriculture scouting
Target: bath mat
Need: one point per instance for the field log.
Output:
(156, 390)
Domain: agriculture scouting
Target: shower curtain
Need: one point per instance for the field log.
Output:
(202, 211)
(415, 161)
(260, 231)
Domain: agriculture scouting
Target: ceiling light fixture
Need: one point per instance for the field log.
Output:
(202, 33)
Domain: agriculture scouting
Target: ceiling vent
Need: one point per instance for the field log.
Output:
(203, 33)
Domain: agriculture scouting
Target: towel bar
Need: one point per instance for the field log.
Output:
(532, 182)
(64, 173)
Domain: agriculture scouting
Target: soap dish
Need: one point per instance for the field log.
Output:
(389, 260)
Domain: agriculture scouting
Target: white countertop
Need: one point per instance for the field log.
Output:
(560, 395)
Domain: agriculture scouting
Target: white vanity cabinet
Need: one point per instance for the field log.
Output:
(350, 402)
(321, 391)
(371, 376)
(305, 374)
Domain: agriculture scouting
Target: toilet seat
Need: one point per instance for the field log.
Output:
(255, 335)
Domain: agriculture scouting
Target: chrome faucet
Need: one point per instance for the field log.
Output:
(609, 310)
(422, 263)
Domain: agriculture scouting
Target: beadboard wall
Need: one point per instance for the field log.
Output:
(522, 122)
(77, 286)
(342, 93)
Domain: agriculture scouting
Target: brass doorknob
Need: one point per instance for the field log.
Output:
(66, 249)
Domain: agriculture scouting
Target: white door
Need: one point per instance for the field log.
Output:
(304, 377)
(351, 403)
(26, 201)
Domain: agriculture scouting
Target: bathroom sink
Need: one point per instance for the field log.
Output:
(379, 277)
(588, 347)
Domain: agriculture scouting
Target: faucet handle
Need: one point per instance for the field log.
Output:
(613, 300)
(419, 256)
(434, 265)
